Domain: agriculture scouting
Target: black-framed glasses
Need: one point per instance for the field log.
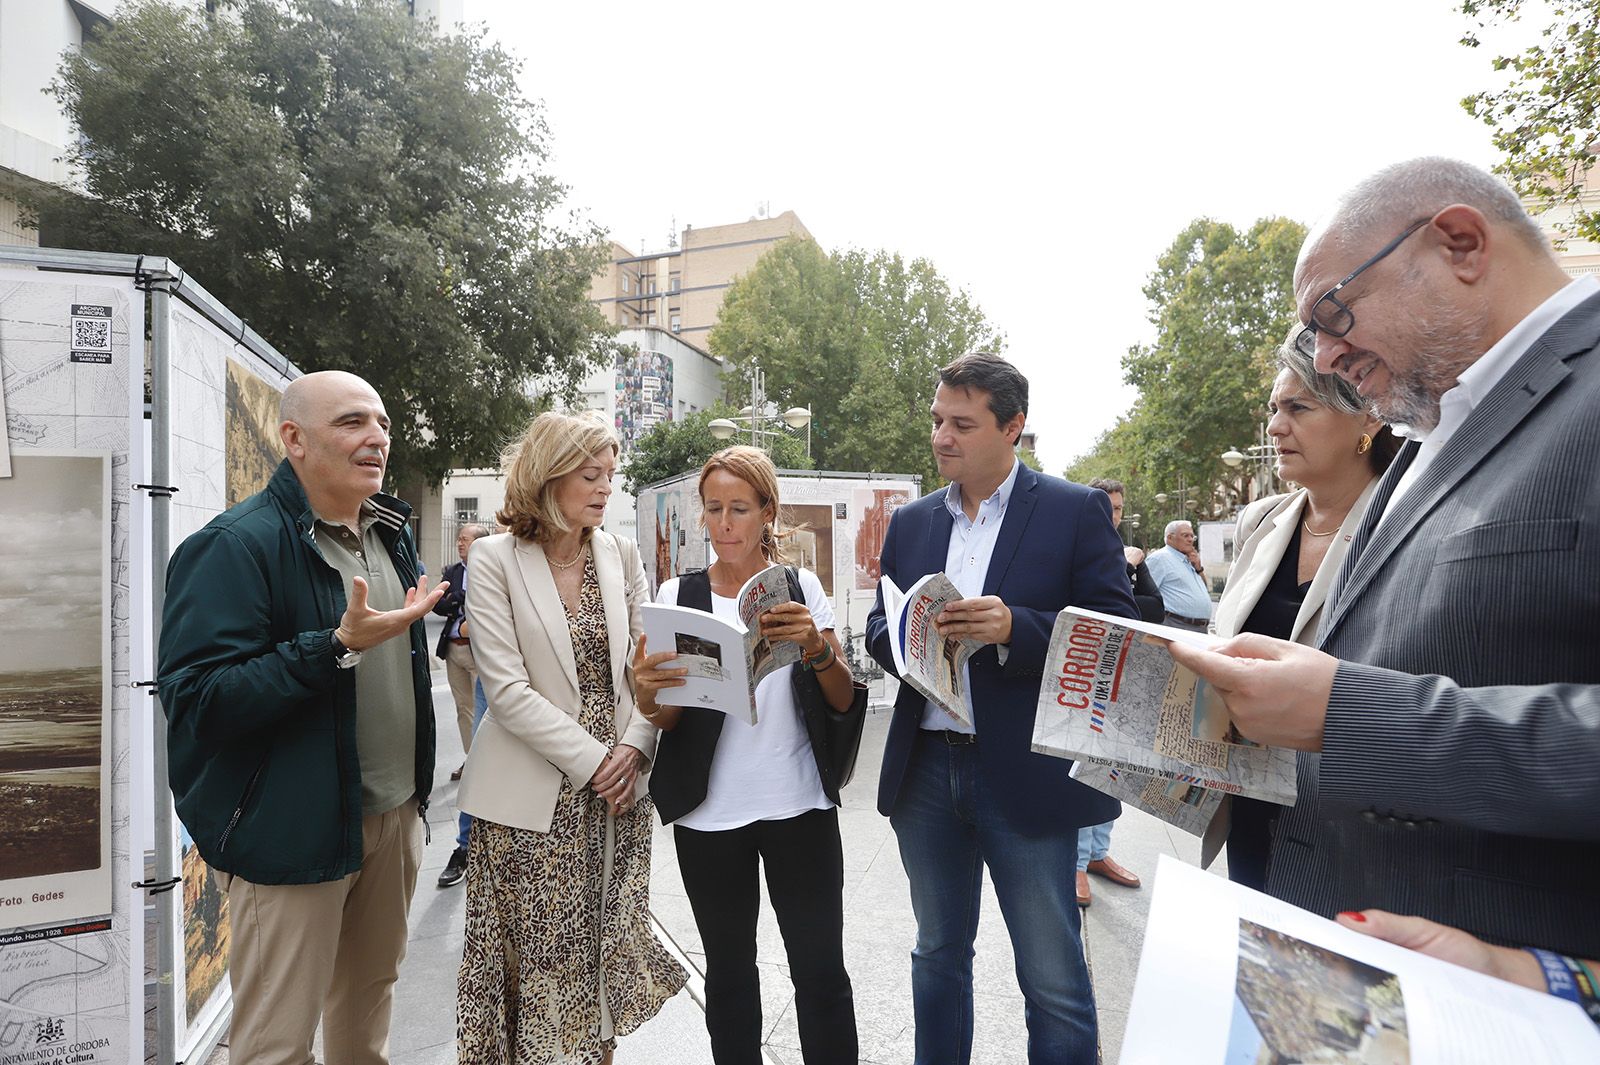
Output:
(1329, 314)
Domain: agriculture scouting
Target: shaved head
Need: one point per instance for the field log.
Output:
(301, 401)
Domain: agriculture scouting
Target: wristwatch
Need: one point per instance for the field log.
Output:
(343, 657)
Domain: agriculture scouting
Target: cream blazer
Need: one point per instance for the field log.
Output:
(1264, 532)
(530, 738)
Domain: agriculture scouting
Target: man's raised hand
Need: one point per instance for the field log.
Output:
(362, 628)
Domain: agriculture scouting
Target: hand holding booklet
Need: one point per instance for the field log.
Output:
(725, 660)
(1229, 975)
(1143, 728)
(924, 659)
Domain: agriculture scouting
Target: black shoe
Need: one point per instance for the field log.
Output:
(455, 870)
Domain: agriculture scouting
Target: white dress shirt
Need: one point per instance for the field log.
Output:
(1456, 405)
(972, 543)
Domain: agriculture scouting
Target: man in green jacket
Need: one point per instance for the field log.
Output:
(300, 728)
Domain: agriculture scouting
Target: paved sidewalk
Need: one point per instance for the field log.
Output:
(879, 932)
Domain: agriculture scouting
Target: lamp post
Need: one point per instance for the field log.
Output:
(754, 417)
(1261, 455)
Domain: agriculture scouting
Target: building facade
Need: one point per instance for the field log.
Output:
(681, 289)
(659, 377)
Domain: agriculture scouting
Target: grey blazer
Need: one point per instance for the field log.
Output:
(1460, 772)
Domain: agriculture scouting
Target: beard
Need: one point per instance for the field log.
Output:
(1445, 341)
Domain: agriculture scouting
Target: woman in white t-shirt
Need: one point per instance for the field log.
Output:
(740, 796)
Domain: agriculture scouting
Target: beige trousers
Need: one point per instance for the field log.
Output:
(462, 671)
(330, 952)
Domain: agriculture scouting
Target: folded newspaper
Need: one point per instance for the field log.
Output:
(1229, 975)
(1179, 801)
(925, 660)
(726, 660)
(1113, 695)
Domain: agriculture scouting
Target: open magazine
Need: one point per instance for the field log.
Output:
(1114, 696)
(726, 660)
(924, 659)
(1231, 975)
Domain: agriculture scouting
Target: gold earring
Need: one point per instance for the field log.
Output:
(1364, 445)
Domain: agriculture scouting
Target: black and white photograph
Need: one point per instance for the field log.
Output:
(54, 669)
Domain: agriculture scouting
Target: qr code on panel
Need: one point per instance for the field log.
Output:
(91, 333)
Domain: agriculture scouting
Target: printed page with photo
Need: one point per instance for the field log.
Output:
(924, 659)
(1235, 977)
(726, 660)
(1111, 694)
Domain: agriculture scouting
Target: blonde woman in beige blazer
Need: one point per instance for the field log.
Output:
(1290, 547)
(559, 959)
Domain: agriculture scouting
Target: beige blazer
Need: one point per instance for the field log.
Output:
(1263, 534)
(1265, 530)
(530, 738)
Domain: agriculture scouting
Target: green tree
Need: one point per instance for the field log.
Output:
(682, 445)
(857, 337)
(1546, 118)
(371, 196)
(1221, 301)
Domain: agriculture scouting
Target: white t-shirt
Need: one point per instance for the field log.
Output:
(764, 772)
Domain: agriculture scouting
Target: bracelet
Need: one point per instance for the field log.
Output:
(824, 656)
(1571, 979)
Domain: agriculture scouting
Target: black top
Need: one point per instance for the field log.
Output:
(1280, 603)
(1146, 594)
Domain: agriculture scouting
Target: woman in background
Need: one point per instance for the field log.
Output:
(742, 797)
(1291, 545)
(559, 958)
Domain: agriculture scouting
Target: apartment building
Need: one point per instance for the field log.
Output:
(681, 289)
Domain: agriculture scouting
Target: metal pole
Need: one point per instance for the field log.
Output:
(167, 943)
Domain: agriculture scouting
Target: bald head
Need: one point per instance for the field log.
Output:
(303, 399)
(1384, 203)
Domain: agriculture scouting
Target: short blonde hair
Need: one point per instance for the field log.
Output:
(555, 444)
(754, 467)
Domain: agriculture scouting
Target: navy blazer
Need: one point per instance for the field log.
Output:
(1057, 548)
(451, 605)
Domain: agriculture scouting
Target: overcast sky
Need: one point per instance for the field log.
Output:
(1040, 155)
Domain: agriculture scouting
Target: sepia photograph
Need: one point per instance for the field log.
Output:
(254, 447)
(54, 589)
(205, 928)
(1295, 1002)
(809, 543)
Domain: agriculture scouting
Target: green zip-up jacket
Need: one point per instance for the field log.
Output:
(261, 725)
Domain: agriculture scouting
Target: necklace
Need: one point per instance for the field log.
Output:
(569, 563)
(1312, 532)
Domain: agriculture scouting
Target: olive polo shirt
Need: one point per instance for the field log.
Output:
(386, 702)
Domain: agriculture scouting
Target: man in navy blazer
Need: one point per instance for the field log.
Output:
(1020, 546)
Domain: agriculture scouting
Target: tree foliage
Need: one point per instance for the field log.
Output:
(1546, 118)
(675, 447)
(1221, 301)
(369, 195)
(858, 338)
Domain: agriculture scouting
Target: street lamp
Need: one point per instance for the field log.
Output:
(1261, 455)
(755, 415)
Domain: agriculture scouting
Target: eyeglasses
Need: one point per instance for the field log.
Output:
(1329, 314)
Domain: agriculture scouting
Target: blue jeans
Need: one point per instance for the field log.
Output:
(1094, 843)
(948, 830)
(480, 703)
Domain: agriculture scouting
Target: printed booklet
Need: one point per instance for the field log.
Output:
(925, 660)
(1228, 975)
(726, 660)
(1157, 736)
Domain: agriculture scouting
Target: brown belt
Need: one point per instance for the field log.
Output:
(460, 639)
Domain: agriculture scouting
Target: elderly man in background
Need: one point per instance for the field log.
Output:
(1177, 571)
(455, 643)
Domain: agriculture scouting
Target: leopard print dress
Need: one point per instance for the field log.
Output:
(559, 957)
